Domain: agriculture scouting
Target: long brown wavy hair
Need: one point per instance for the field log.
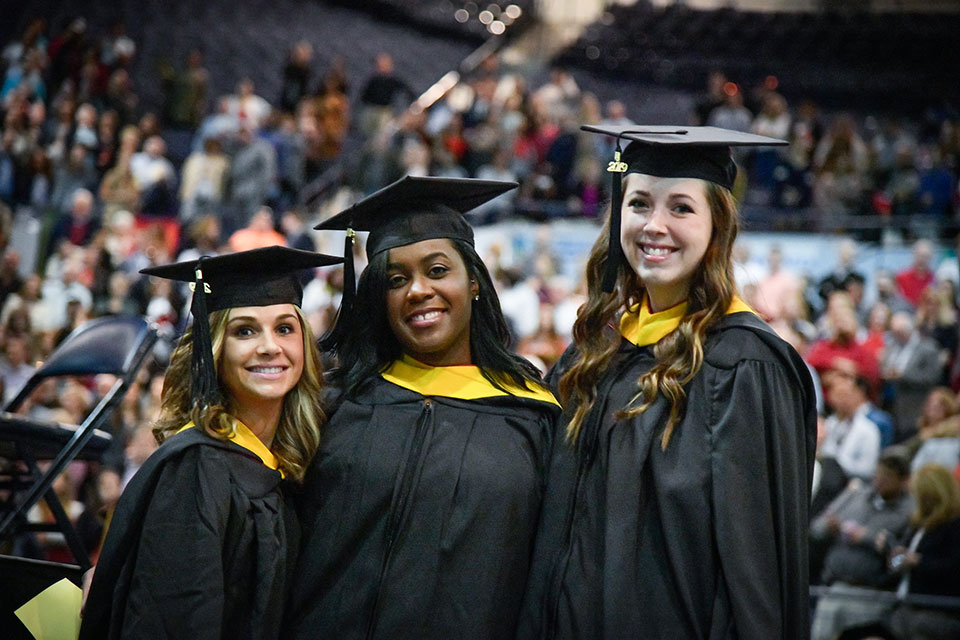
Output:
(302, 416)
(679, 355)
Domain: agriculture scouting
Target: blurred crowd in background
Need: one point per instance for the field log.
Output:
(91, 191)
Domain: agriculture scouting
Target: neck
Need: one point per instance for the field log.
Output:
(261, 420)
(661, 299)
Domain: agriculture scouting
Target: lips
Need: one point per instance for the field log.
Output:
(656, 251)
(265, 371)
(424, 318)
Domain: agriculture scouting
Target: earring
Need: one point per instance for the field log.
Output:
(476, 298)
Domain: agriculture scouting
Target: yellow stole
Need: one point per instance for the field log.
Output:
(641, 327)
(243, 436)
(464, 382)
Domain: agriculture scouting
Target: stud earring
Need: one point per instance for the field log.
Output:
(476, 298)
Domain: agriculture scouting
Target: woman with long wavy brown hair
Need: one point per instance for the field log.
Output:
(677, 503)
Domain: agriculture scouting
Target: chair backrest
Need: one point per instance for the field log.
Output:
(111, 344)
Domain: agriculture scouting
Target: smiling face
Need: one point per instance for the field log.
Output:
(262, 356)
(665, 232)
(429, 302)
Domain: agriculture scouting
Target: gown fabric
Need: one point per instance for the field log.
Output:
(706, 539)
(197, 548)
(419, 517)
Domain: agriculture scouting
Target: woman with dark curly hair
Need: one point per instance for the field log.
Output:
(677, 502)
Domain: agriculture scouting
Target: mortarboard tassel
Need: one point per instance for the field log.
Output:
(203, 371)
(616, 168)
(335, 336)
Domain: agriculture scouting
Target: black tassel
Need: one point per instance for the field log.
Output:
(203, 370)
(615, 251)
(335, 336)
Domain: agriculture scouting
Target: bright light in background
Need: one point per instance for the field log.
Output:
(486, 17)
(497, 28)
(730, 88)
(461, 15)
(513, 11)
(771, 82)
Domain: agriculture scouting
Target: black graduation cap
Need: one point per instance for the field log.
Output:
(410, 210)
(254, 278)
(669, 152)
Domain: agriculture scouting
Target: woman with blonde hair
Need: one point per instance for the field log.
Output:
(930, 564)
(676, 505)
(202, 539)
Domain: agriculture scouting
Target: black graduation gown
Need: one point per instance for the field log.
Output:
(419, 516)
(197, 548)
(706, 539)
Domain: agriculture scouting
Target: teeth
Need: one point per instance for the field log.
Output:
(656, 251)
(266, 369)
(430, 315)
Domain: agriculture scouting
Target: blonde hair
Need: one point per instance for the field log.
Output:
(679, 355)
(937, 494)
(302, 416)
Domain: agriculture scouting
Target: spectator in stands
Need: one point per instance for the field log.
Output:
(296, 76)
(249, 109)
(940, 418)
(840, 162)
(853, 439)
(842, 340)
(912, 367)
(15, 367)
(731, 114)
(928, 561)
(381, 94)
(779, 289)
(258, 234)
(203, 181)
(936, 316)
(74, 172)
(186, 92)
(913, 281)
(712, 98)
(863, 523)
(829, 480)
(155, 178)
(847, 264)
(253, 177)
(78, 225)
(118, 189)
(884, 290)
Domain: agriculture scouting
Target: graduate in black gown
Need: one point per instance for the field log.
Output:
(420, 508)
(202, 539)
(677, 498)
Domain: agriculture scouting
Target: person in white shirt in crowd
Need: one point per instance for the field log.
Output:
(852, 439)
(149, 166)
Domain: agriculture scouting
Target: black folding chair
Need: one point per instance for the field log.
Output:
(116, 345)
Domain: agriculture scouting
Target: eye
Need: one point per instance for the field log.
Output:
(438, 271)
(243, 331)
(682, 207)
(286, 329)
(395, 281)
(637, 203)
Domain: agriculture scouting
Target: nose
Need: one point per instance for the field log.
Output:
(268, 344)
(654, 221)
(420, 288)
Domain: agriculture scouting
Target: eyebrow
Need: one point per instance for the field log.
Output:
(426, 258)
(285, 316)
